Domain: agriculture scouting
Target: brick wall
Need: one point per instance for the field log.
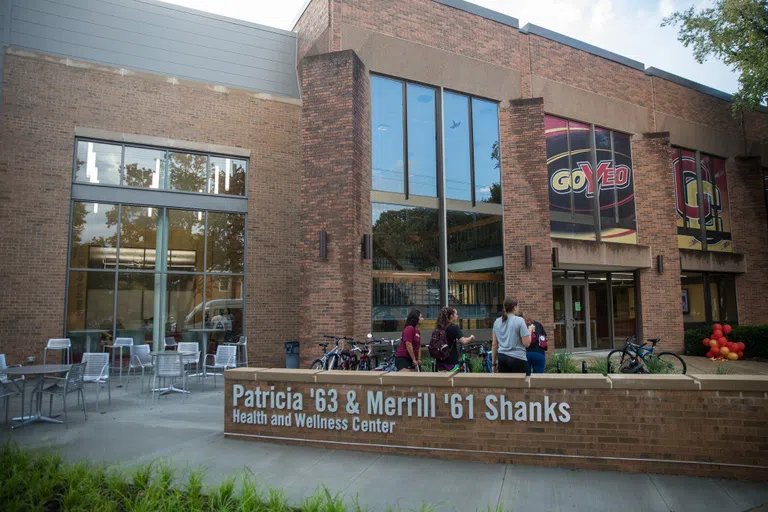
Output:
(44, 100)
(525, 198)
(335, 197)
(750, 236)
(654, 206)
(310, 26)
(625, 423)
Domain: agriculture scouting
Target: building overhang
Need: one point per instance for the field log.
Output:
(608, 257)
(708, 261)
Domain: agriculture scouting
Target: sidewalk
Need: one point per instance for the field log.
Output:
(188, 433)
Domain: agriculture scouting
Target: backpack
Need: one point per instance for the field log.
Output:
(438, 345)
(540, 336)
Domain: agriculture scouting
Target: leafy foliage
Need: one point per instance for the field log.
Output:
(735, 32)
(567, 364)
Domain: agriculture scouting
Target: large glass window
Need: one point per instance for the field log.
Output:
(422, 141)
(487, 155)
(406, 266)
(99, 163)
(387, 134)
(696, 172)
(475, 269)
(458, 170)
(708, 298)
(581, 183)
(94, 236)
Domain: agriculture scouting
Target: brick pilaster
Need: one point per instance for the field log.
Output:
(525, 200)
(335, 196)
(661, 309)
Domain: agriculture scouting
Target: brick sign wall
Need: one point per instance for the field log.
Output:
(692, 425)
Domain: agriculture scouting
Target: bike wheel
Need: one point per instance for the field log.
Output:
(667, 362)
(619, 361)
(316, 365)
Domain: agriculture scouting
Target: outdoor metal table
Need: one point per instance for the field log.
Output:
(205, 332)
(171, 388)
(40, 371)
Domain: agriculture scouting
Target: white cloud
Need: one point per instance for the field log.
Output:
(667, 7)
(602, 15)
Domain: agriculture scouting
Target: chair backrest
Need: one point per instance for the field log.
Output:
(169, 341)
(242, 341)
(3, 365)
(189, 347)
(58, 343)
(169, 365)
(123, 342)
(95, 362)
(74, 379)
(142, 353)
(226, 354)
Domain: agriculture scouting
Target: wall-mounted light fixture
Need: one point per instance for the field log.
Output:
(660, 263)
(555, 258)
(528, 256)
(367, 248)
(323, 245)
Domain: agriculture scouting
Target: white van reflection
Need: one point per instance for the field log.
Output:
(224, 314)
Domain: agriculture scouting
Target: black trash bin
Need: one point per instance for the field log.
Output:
(292, 354)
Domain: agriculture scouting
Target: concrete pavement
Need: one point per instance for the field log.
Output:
(187, 431)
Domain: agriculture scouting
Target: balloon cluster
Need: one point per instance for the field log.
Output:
(720, 348)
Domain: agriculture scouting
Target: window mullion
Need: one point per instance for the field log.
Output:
(442, 214)
(406, 184)
(471, 151)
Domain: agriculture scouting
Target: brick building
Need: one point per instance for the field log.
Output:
(168, 173)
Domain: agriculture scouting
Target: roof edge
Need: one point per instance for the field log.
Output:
(483, 12)
(530, 28)
(299, 15)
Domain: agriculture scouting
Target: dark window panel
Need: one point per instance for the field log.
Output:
(187, 172)
(186, 240)
(226, 242)
(138, 237)
(94, 235)
(144, 168)
(226, 176)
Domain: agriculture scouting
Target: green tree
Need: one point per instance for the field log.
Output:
(736, 32)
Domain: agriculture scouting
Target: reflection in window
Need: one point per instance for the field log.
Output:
(485, 128)
(135, 306)
(422, 141)
(187, 171)
(475, 268)
(144, 168)
(90, 306)
(224, 306)
(138, 237)
(184, 306)
(94, 235)
(406, 266)
(98, 163)
(456, 149)
(387, 134)
(226, 242)
(186, 238)
(226, 176)
(723, 297)
(693, 301)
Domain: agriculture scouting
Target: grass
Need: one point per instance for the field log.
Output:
(657, 366)
(598, 365)
(43, 481)
(720, 369)
(567, 364)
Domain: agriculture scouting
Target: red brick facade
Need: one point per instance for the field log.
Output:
(335, 197)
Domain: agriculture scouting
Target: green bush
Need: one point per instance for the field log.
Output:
(754, 337)
(598, 365)
(567, 364)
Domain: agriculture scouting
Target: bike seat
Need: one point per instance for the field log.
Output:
(324, 345)
(654, 340)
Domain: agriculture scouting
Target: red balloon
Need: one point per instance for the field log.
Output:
(705, 342)
(741, 354)
(710, 354)
(741, 347)
(717, 327)
(715, 350)
(717, 334)
(727, 329)
(729, 344)
(721, 342)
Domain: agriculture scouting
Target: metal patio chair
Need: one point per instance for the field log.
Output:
(169, 366)
(117, 347)
(242, 350)
(72, 383)
(140, 358)
(10, 387)
(225, 357)
(97, 372)
(190, 355)
(169, 343)
(63, 344)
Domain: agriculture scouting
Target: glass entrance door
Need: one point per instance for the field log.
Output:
(571, 311)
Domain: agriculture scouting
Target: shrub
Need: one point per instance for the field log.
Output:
(567, 364)
(598, 365)
(692, 341)
(754, 337)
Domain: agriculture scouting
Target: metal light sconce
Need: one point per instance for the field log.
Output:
(367, 248)
(555, 258)
(323, 245)
(528, 256)
(660, 263)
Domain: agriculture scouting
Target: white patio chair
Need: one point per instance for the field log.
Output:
(63, 344)
(169, 343)
(190, 355)
(10, 387)
(225, 357)
(117, 347)
(169, 366)
(72, 383)
(242, 350)
(140, 358)
(97, 372)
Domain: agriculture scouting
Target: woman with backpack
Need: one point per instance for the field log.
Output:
(444, 345)
(510, 340)
(537, 358)
(408, 355)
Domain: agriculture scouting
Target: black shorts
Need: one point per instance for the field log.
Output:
(509, 364)
(404, 363)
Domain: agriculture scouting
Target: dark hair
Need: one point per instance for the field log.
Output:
(444, 319)
(509, 306)
(413, 318)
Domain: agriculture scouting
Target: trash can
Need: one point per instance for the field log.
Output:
(292, 354)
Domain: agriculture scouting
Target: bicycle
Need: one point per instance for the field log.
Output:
(331, 359)
(638, 358)
(485, 354)
(465, 356)
(366, 354)
(389, 362)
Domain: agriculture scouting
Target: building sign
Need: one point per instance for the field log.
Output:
(574, 180)
(379, 411)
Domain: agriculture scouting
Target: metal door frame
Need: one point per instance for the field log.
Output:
(568, 285)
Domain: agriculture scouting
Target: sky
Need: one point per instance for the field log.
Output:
(628, 27)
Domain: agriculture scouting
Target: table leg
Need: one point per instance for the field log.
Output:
(37, 414)
(87, 342)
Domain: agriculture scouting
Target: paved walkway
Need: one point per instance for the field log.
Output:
(188, 433)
